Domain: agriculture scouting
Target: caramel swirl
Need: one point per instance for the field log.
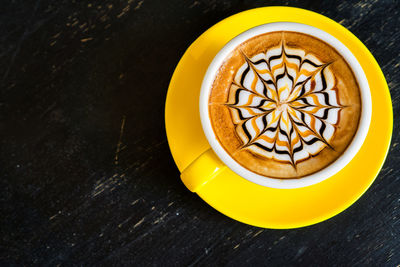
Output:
(284, 104)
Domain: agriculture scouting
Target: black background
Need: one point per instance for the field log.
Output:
(76, 189)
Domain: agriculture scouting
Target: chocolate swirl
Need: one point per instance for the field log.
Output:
(284, 104)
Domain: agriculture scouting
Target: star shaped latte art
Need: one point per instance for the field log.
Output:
(284, 104)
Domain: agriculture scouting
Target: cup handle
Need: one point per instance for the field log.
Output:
(202, 170)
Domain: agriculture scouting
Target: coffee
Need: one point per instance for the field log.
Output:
(285, 104)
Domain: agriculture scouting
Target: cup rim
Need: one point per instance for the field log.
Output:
(316, 177)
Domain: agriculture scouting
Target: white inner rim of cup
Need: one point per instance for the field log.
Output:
(318, 176)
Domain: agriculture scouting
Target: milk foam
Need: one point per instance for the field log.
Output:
(285, 104)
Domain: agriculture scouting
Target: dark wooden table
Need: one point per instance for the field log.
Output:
(86, 173)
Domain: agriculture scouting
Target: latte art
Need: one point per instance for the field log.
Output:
(284, 104)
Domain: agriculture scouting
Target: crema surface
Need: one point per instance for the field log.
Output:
(285, 104)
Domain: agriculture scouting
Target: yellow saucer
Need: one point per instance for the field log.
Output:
(250, 203)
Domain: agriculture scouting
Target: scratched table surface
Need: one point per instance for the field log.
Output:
(86, 173)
